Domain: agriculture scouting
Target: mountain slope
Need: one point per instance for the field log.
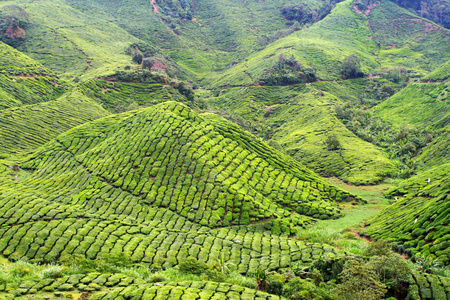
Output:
(420, 46)
(25, 128)
(73, 43)
(431, 99)
(152, 183)
(300, 118)
(418, 221)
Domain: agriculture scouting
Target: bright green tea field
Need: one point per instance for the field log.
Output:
(214, 150)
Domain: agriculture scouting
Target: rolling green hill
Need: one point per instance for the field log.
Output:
(162, 179)
(420, 45)
(172, 149)
(441, 73)
(418, 221)
(300, 118)
(25, 128)
(430, 99)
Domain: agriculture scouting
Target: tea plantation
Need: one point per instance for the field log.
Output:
(173, 149)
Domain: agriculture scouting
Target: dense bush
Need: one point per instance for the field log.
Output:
(287, 72)
(359, 281)
(351, 67)
(302, 289)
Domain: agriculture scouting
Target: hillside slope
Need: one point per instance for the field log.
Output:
(414, 43)
(418, 221)
(25, 128)
(300, 118)
(152, 183)
(432, 100)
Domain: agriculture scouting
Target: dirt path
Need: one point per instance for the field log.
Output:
(155, 8)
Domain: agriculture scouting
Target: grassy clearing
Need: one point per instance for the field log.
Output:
(342, 233)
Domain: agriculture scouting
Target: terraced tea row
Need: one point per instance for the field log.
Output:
(114, 286)
(16, 63)
(428, 287)
(113, 95)
(418, 222)
(52, 232)
(17, 91)
(27, 127)
(169, 157)
(300, 118)
(152, 183)
(119, 286)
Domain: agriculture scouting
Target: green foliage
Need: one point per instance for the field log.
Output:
(301, 289)
(15, 63)
(262, 280)
(440, 73)
(359, 281)
(430, 99)
(351, 67)
(180, 183)
(27, 127)
(332, 142)
(192, 265)
(298, 120)
(275, 283)
(402, 144)
(416, 222)
(287, 72)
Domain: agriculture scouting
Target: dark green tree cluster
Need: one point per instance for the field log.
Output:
(14, 20)
(303, 13)
(351, 67)
(435, 10)
(287, 71)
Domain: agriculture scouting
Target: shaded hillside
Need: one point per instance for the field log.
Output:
(25, 128)
(152, 183)
(441, 73)
(431, 100)
(418, 221)
(24, 90)
(206, 35)
(73, 43)
(14, 62)
(407, 40)
(301, 118)
(420, 46)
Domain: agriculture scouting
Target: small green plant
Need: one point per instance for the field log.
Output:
(275, 283)
(301, 289)
(427, 264)
(53, 272)
(262, 277)
(192, 265)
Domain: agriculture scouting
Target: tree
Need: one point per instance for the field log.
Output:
(332, 142)
(13, 18)
(351, 67)
(359, 281)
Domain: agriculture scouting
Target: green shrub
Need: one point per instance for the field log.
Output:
(351, 67)
(301, 289)
(332, 142)
(192, 265)
(359, 281)
(53, 272)
(275, 283)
